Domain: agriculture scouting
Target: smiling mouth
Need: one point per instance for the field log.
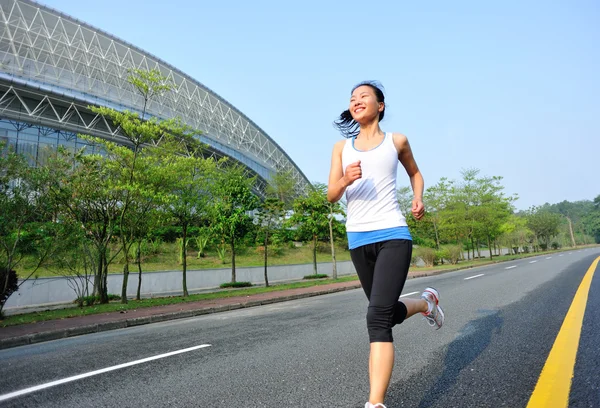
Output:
(357, 110)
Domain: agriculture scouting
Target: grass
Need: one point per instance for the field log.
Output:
(167, 260)
(161, 301)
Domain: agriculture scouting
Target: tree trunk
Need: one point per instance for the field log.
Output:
(478, 251)
(473, 247)
(104, 294)
(266, 243)
(334, 272)
(233, 277)
(139, 262)
(315, 254)
(184, 260)
(437, 237)
(125, 268)
(98, 278)
(125, 281)
(571, 231)
(490, 247)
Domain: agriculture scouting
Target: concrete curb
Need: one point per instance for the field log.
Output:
(138, 321)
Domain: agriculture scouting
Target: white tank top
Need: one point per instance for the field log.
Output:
(372, 202)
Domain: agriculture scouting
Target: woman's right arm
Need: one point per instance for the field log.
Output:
(338, 181)
(337, 185)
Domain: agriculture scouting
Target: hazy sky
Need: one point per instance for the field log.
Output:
(511, 88)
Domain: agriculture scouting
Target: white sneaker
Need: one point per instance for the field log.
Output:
(378, 405)
(435, 314)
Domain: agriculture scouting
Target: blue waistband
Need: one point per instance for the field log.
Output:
(357, 239)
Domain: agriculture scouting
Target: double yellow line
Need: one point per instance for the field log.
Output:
(554, 385)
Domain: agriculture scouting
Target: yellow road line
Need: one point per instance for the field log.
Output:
(553, 386)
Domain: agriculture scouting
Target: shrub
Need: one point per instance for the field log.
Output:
(454, 253)
(317, 276)
(235, 285)
(555, 245)
(442, 254)
(428, 255)
(90, 300)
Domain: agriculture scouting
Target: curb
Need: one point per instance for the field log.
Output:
(138, 321)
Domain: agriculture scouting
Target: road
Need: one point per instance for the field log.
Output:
(502, 322)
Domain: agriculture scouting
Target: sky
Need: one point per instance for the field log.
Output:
(511, 88)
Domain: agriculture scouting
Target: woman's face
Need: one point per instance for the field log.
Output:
(364, 107)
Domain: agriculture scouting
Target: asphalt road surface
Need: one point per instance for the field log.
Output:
(501, 323)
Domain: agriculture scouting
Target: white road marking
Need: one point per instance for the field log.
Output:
(92, 373)
(549, 257)
(570, 253)
(510, 267)
(476, 276)
(533, 262)
(561, 255)
(408, 294)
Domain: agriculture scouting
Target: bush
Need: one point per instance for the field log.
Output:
(428, 255)
(442, 254)
(544, 247)
(555, 245)
(414, 259)
(323, 248)
(454, 253)
(235, 285)
(90, 300)
(317, 276)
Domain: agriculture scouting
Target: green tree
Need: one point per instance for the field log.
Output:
(544, 225)
(189, 195)
(311, 215)
(283, 187)
(232, 200)
(128, 160)
(87, 192)
(27, 218)
(269, 218)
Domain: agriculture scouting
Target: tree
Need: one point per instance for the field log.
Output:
(139, 133)
(27, 218)
(515, 234)
(232, 200)
(269, 218)
(491, 210)
(544, 225)
(283, 187)
(189, 195)
(85, 192)
(311, 215)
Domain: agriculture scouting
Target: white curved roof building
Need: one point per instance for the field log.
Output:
(52, 66)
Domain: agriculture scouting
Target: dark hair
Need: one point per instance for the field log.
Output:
(346, 124)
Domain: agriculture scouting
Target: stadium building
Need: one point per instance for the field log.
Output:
(53, 66)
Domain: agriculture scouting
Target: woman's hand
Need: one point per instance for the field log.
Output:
(418, 209)
(353, 173)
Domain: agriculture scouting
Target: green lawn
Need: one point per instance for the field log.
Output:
(167, 260)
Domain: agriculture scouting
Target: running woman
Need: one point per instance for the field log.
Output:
(364, 167)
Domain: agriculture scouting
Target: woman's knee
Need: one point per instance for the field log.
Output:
(380, 320)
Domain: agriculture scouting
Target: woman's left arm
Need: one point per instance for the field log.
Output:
(407, 159)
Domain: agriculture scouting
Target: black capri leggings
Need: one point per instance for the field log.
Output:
(382, 268)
